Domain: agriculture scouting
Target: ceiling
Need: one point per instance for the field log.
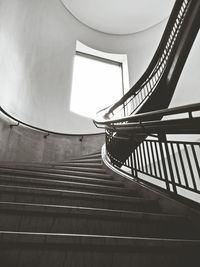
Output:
(119, 16)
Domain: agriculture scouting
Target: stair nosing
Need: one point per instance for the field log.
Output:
(104, 240)
(68, 179)
(41, 173)
(2, 169)
(68, 210)
(62, 193)
(69, 183)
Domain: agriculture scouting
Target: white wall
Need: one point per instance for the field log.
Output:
(37, 45)
(188, 88)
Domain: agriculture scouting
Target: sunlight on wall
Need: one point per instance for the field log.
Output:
(96, 84)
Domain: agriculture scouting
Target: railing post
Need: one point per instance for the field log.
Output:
(133, 170)
(162, 139)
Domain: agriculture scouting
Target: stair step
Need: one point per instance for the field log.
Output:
(57, 184)
(70, 170)
(90, 156)
(72, 219)
(49, 174)
(53, 165)
(98, 161)
(49, 169)
(85, 180)
(78, 164)
(53, 249)
(69, 197)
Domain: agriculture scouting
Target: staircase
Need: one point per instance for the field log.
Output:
(75, 214)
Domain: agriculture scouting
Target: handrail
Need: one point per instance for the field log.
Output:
(137, 135)
(167, 64)
(142, 91)
(47, 132)
(147, 122)
(152, 114)
(159, 160)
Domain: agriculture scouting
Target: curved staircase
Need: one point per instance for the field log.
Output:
(76, 214)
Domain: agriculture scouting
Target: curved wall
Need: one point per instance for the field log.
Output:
(37, 46)
(22, 144)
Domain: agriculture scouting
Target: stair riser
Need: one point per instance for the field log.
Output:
(53, 185)
(49, 175)
(81, 255)
(90, 224)
(98, 161)
(68, 179)
(93, 156)
(79, 164)
(34, 197)
(65, 170)
(53, 165)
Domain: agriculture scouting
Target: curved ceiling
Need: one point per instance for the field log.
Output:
(119, 16)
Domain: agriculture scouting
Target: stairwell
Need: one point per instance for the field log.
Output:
(75, 214)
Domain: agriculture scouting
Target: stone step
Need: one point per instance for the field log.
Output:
(53, 249)
(58, 170)
(53, 165)
(30, 194)
(69, 178)
(90, 156)
(98, 161)
(57, 184)
(71, 219)
(78, 164)
(48, 173)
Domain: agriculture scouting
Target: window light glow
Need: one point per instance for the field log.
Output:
(96, 84)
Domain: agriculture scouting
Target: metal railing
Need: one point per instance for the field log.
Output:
(139, 137)
(161, 159)
(131, 102)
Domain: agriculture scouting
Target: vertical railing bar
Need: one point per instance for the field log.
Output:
(163, 162)
(131, 164)
(175, 163)
(145, 160)
(141, 158)
(195, 159)
(135, 163)
(148, 155)
(170, 166)
(190, 167)
(182, 166)
(158, 159)
(153, 158)
(138, 159)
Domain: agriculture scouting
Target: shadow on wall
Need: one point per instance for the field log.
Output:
(25, 144)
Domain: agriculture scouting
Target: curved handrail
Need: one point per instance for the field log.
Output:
(140, 93)
(156, 87)
(163, 160)
(47, 132)
(149, 116)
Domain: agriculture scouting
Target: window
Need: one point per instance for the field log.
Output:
(97, 83)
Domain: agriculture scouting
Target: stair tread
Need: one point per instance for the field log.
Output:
(83, 160)
(70, 178)
(42, 173)
(104, 240)
(63, 209)
(58, 183)
(52, 165)
(76, 193)
(52, 171)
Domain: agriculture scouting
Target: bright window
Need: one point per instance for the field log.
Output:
(97, 83)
